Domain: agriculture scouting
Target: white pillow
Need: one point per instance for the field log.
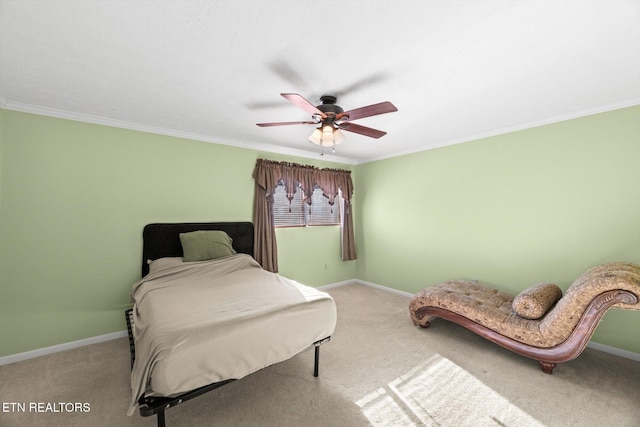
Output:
(163, 263)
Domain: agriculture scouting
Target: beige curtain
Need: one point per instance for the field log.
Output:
(265, 249)
(267, 174)
(348, 243)
(334, 183)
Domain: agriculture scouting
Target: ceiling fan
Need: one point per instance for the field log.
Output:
(331, 118)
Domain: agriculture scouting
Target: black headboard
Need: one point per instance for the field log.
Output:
(163, 240)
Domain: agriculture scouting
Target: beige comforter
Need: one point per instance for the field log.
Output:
(204, 322)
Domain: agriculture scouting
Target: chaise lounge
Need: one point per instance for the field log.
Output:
(539, 323)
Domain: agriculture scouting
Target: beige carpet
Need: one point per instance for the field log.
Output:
(377, 370)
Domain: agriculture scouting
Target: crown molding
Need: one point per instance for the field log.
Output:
(86, 118)
(509, 129)
(52, 112)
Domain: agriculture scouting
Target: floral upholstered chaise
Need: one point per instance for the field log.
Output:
(539, 323)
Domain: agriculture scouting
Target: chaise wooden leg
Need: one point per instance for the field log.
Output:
(547, 367)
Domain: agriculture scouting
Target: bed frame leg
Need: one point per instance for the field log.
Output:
(160, 417)
(316, 362)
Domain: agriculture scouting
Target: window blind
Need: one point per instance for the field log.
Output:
(299, 214)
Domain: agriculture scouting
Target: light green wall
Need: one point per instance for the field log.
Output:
(543, 204)
(74, 199)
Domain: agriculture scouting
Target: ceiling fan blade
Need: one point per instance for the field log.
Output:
(262, 105)
(301, 102)
(362, 130)
(369, 110)
(285, 124)
(283, 69)
(358, 85)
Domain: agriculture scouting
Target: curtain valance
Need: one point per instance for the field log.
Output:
(268, 174)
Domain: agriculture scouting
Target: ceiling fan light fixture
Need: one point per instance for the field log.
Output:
(326, 136)
(327, 133)
(316, 137)
(338, 137)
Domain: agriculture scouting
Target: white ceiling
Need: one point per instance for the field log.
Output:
(211, 70)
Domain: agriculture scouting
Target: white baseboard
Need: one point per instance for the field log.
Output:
(384, 288)
(13, 358)
(614, 350)
(336, 285)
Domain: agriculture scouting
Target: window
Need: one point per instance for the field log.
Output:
(299, 214)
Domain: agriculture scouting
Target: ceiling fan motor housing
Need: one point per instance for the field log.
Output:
(330, 109)
(329, 105)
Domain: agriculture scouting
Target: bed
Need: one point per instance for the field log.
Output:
(186, 309)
